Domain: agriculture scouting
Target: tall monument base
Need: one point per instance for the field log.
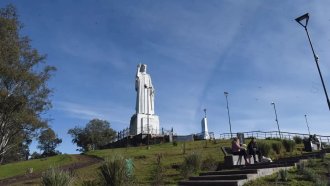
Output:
(144, 124)
(205, 131)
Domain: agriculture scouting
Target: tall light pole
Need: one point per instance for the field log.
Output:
(303, 21)
(226, 95)
(278, 126)
(307, 124)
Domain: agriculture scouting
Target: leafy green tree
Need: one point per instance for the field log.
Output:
(48, 141)
(23, 84)
(96, 134)
(20, 152)
(35, 155)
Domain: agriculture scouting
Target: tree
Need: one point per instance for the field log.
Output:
(48, 141)
(96, 134)
(19, 152)
(23, 84)
(35, 155)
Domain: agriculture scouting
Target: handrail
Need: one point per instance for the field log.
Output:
(275, 134)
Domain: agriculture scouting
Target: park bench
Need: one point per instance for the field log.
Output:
(232, 160)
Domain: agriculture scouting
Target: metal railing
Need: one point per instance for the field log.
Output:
(126, 132)
(275, 134)
(202, 134)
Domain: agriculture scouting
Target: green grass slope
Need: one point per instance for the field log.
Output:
(144, 159)
(38, 165)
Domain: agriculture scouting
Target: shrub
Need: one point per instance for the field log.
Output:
(321, 182)
(140, 157)
(175, 143)
(283, 174)
(301, 167)
(297, 139)
(158, 172)
(311, 162)
(90, 183)
(314, 177)
(289, 145)
(56, 177)
(264, 148)
(310, 174)
(191, 164)
(209, 164)
(277, 147)
(117, 171)
(274, 138)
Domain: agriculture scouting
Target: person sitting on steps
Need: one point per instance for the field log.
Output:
(253, 150)
(238, 150)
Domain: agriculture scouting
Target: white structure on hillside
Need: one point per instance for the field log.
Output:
(205, 131)
(144, 120)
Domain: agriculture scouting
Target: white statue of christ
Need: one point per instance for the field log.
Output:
(145, 91)
(144, 120)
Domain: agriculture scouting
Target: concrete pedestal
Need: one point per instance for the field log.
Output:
(144, 124)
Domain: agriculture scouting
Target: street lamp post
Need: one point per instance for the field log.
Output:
(278, 126)
(301, 20)
(307, 124)
(226, 95)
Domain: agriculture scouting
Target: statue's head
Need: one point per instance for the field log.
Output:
(143, 68)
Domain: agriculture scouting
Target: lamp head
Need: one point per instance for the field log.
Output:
(303, 20)
(226, 93)
(272, 103)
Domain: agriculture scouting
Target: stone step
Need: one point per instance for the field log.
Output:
(212, 182)
(230, 172)
(272, 165)
(221, 177)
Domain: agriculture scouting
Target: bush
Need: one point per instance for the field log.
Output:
(310, 174)
(56, 177)
(297, 139)
(175, 143)
(90, 183)
(314, 177)
(311, 162)
(117, 171)
(321, 182)
(283, 175)
(158, 172)
(191, 164)
(264, 148)
(209, 164)
(273, 138)
(301, 167)
(289, 145)
(277, 147)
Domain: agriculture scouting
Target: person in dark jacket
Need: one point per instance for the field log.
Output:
(254, 150)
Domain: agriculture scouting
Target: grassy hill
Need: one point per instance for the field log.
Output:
(144, 160)
(38, 165)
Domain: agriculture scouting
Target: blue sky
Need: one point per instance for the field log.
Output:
(195, 50)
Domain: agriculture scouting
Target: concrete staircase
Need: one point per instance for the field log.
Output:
(238, 175)
(230, 177)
